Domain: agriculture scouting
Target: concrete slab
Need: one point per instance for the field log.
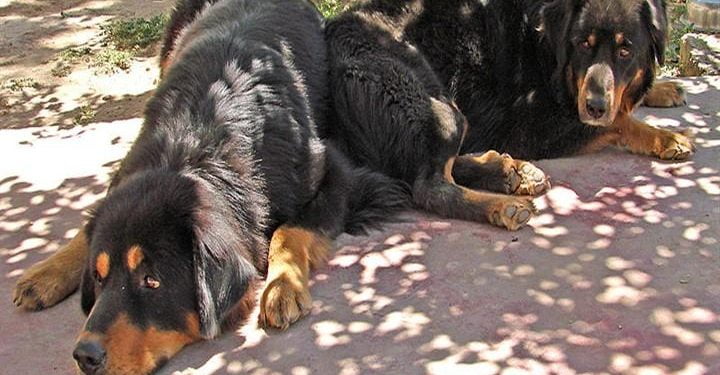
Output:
(620, 272)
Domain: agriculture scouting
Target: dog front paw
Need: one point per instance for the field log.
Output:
(665, 95)
(42, 286)
(676, 146)
(512, 213)
(286, 299)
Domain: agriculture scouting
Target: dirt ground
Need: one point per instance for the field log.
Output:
(618, 274)
(34, 35)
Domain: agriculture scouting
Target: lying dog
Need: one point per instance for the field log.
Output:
(228, 165)
(415, 83)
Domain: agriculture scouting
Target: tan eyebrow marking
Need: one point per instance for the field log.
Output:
(619, 38)
(102, 265)
(592, 39)
(134, 257)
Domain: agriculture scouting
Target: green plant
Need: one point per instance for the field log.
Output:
(679, 27)
(17, 84)
(109, 60)
(84, 116)
(75, 53)
(134, 32)
(61, 70)
(331, 8)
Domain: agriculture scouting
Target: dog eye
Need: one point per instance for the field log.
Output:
(151, 282)
(585, 44)
(98, 278)
(624, 52)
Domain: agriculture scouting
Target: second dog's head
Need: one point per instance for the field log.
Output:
(606, 52)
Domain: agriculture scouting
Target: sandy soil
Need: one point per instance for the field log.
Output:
(34, 35)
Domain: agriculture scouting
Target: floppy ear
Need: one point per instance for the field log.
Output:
(557, 18)
(224, 274)
(653, 16)
(87, 291)
(87, 282)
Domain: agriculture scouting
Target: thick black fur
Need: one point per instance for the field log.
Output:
(509, 65)
(228, 152)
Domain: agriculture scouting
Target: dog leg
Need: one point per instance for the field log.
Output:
(499, 173)
(50, 281)
(441, 195)
(641, 138)
(293, 252)
(665, 95)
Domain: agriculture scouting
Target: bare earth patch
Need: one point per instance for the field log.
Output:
(35, 35)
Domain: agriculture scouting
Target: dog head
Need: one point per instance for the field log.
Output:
(166, 268)
(606, 51)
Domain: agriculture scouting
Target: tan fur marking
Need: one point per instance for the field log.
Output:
(619, 38)
(607, 138)
(618, 104)
(465, 128)
(506, 211)
(581, 96)
(135, 256)
(447, 170)
(192, 322)
(102, 265)
(625, 104)
(48, 282)
(131, 350)
(293, 251)
(664, 95)
(641, 138)
(592, 39)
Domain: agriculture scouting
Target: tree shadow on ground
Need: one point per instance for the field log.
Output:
(618, 274)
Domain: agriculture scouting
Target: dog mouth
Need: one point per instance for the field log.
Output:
(596, 96)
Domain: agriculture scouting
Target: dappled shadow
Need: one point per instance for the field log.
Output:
(104, 108)
(57, 161)
(48, 179)
(618, 274)
(34, 223)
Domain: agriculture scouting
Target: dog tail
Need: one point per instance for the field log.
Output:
(374, 199)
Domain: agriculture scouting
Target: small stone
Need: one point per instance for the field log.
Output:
(685, 279)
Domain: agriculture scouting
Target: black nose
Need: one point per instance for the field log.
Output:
(596, 107)
(90, 356)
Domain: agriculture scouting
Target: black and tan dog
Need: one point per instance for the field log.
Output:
(417, 82)
(228, 165)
